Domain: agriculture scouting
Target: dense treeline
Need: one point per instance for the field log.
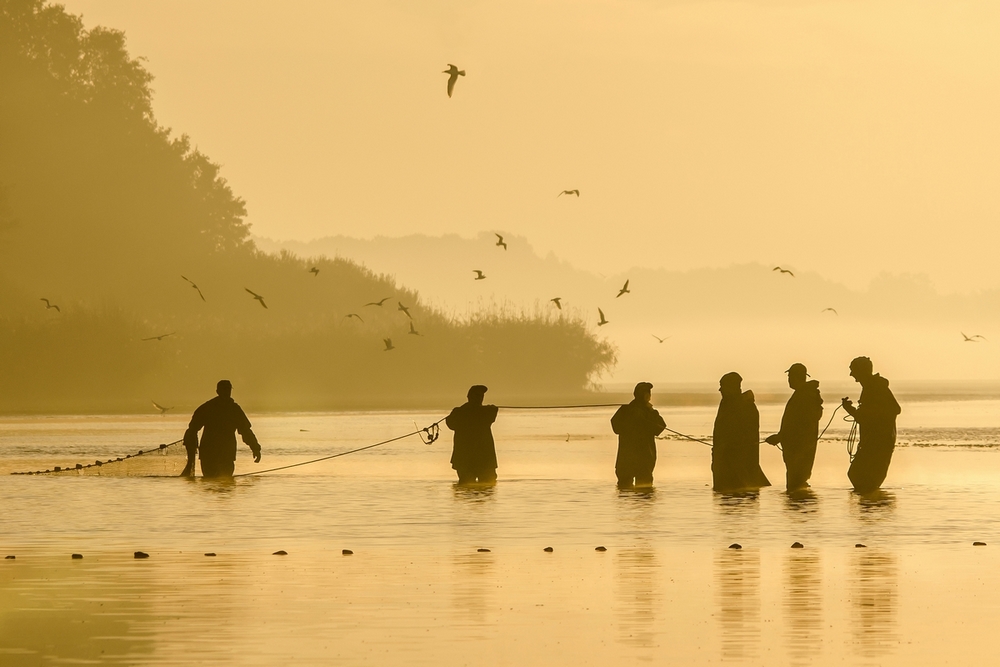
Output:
(102, 211)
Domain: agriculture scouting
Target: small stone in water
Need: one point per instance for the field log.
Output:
(549, 549)
(860, 546)
(347, 552)
(140, 554)
(210, 553)
(9, 557)
(734, 545)
(600, 548)
(76, 556)
(280, 553)
(483, 551)
(979, 544)
(797, 545)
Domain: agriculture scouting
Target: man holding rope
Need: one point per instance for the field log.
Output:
(474, 456)
(876, 417)
(799, 428)
(221, 418)
(637, 425)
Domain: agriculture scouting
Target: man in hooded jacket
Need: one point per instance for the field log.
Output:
(736, 439)
(799, 428)
(637, 425)
(221, 418)
(474, 456)
(876, 417)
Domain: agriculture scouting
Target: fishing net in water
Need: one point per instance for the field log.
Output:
(167, 460)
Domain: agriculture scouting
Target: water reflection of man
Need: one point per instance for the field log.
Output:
(474, 456)
(876, 417)
(799, 428)
(637, 425)
(736, 439)
(221, 417)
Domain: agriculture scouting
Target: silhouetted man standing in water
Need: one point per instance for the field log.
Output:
(799, 428)
(474, 456)
(221, 418)
(876, 417)
(736, 439)
(637, 425)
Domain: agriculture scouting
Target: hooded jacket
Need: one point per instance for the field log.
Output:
(637, 425)
(474, 448)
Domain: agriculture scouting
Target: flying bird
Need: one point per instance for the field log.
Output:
(388, 344)
(414, 331)
(972, 339)
(257, 297)
(453, 74)
(557, 301)
(624, 290)
(832, 310)
(479, 274)
(161, 337)
(197, 289)
(49, 306)
(355, 315)
(603, 321)
(377, 303)
(159, 407)
(314, 271)
(569, 192)
(403, 308)
(658, 338)
(500, 240)
(778, 268)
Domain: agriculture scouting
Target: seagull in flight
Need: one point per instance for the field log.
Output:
(314, 271)
(49, 305)
(377, 303)
(500, 240)
(557, 301)
(453, 74)
(388, 344)
(972, 339)
(778, 268)
(355, 315)
(658, 338)
(832, 310)
(161, 337)
(257, 297)
(603, 321)
(403, 308)
(569, 192)
(624, 290)
(414, 331)
(479, 274)
(195, 287)
(159, 407)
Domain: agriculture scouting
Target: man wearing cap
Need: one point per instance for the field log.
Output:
(474, 456)
(876, 417)
(637, 425)
(221, 418)
(799, 428)
(736, 439)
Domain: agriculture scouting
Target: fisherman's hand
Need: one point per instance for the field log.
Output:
(256, 453)
(773, 439)
(846, 403)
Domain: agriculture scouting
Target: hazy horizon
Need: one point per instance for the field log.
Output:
(842, 138)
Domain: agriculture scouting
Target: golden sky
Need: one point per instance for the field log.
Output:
(847, 138)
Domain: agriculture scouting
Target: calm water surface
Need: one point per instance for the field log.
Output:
(417, 591)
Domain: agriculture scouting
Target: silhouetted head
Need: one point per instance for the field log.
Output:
(861, 369)
(476, 393)
(797, 375)
(731, 384)
(643, 391)
(224, 388)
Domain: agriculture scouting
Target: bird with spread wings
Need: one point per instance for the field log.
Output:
(453, 74)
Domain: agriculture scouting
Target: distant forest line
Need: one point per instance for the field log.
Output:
(102, 211)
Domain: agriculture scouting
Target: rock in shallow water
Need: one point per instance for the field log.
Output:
(76, 556)
(282, 552)
(140, 554)
(346, 552)
(797, 545)
(549, 549)
(600, 548)
(979, 544)
(735, 545)
(483, 551)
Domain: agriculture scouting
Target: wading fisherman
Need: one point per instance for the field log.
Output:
(474, 456)
(221, 418)
(736, 439)
(799, 428)
(637, 425)
(876, 417)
